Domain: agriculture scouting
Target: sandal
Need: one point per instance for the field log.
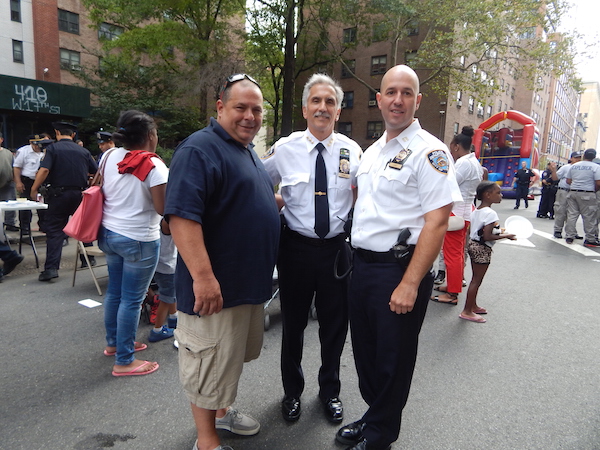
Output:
(453, 299)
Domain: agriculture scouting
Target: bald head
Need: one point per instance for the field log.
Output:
(398, 99)
(401, 70)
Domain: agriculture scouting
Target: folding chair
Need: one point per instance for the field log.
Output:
(87, 252)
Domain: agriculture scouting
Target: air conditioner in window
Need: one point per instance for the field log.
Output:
(459, 103)
(377, 134)
(372, 102)
(343, 104)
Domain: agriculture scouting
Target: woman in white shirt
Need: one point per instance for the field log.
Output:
(468, 174)
(134, 189)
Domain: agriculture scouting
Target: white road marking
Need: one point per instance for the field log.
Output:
(574, 246)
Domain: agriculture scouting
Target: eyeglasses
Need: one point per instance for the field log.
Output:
(234, 79)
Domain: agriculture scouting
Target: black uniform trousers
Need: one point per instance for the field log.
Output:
(547, 201)
(25, 215)
(384, 344)
(306, 267)
(522, 192)
(60, 206)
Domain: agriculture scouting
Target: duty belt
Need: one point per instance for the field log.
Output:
(579, 190)
(370, 256)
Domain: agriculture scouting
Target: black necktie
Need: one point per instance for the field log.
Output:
(321, 203)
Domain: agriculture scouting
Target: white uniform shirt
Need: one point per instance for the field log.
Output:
(291, 163)
(561, 174)
(469, 174)
(28, 161)
(583, 175)
(390, 199)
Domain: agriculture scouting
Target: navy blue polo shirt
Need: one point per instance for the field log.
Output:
(69, 164)
(217, 182)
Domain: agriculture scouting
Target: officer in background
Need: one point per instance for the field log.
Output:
(25, 167)
(406, 188)
(522, 181)
(584, 179)
(560, 203)
(549, 187)
(105, 143)
(312, 239)
(65, 168)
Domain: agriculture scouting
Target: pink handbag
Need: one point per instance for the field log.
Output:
(86, 220)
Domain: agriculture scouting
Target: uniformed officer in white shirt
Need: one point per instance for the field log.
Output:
(25, 167)
(560, 202)
(584, 179)
(406, 189)
(312, 240)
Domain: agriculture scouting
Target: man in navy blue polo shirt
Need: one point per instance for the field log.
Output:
(225, 223)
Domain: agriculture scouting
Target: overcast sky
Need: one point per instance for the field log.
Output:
(584, 17)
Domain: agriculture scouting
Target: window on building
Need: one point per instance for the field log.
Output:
(413, 27)
(17, 51)
(348, 101)
(479, 109)
(349, 35)
(471, 105)
(500, 106)
(15, 10)
(373, 98)
(380, 32)
(489, 111)
(345, 128)
(378, 64)
(69, 59)
(374, 130)
(409, 57)
(462, 61)
(348, 68)
(68, 21)
(455, 128)
(109, 32)
(512, 93)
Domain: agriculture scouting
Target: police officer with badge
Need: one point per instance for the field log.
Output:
(105, 143)
(65, 168)
(316, 171)
(406, 188)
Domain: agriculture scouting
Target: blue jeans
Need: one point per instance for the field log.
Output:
(131, 265)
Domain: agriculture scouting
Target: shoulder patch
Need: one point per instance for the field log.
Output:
(439, 160)
(270, 153)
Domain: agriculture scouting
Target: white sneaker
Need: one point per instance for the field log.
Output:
(237, 423)
(220, 447)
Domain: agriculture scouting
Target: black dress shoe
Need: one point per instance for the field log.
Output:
(291, 409)
(363, 445)
(12, 263)
(334, 410)
(350, 434)
(47, 275)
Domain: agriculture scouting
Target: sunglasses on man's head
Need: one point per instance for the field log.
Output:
(234, 79)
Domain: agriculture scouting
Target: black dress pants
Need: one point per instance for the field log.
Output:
(60, 207)
(384, 344)
(306, 269)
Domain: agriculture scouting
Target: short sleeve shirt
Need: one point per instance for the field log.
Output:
(69, 164)
(398, 183)
(583, 175)
(222, 185)
(291, 164)
(561, 174)
(479, 219)
(469, 174)
(28, 161)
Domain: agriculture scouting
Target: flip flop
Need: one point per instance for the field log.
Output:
(451, 302)
(135, 349)
(135, 371)
(480, 311)
(441, 288)
(475, 319)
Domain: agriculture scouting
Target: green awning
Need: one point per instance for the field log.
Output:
(23, 94)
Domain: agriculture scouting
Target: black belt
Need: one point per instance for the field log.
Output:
(564, 189)
(370, 256)
(579, 190)
(69, 188)
(313, 241)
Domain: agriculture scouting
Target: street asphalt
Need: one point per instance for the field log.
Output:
(529, 378)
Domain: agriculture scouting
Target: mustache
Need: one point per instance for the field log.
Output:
(322, 114)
